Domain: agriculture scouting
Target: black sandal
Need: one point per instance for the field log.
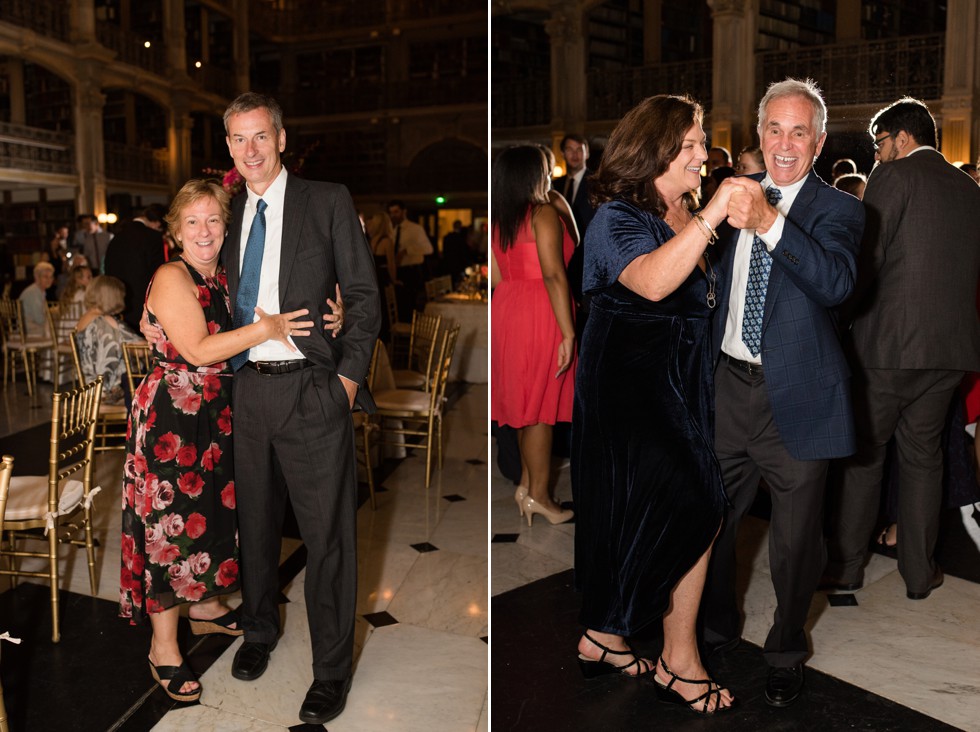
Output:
(667, 694)
(218, 625)
(171, 678)
(592, 668)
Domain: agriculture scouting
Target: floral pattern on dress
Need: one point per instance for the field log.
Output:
(179, 528)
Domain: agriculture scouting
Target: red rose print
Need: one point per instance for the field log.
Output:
(190, 484)
(228, 495)
(195, 525)
(200, 562)
(192, 591)
(186, 455)
(186, 399)
(224, 421)
(227, 573)
(210, 456)
(166, 447)
(212, 387)
(203, 296)
(173, 524)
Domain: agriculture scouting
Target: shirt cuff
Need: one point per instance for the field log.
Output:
(771, 238)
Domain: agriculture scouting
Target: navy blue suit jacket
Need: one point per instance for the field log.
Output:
(813, 272)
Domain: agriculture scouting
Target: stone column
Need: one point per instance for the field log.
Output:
(733, 93)
(175, 36)
(89, 150)
(240, 51)
(179, 129)
(569, 78)
(82, 19)
(14, 68)
(960, 116)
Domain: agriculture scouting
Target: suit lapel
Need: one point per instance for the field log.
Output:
(232, 247)
(294, 206)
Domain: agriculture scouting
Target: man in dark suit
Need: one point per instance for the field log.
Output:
(782, 384)
(293, 409)
(133, 256)
(574, 185)
(914, 333)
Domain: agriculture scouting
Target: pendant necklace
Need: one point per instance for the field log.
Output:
(712, 278)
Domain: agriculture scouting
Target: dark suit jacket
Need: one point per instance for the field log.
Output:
(133, 256)
(813, 272)
(915, 307)
(322, 244)
(581, 208)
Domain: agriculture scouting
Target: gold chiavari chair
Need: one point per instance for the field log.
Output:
(425, 333)
(139, 362)
(438, 286)
(401, 333)
(62, 319)
(54, 502)
(6, 468)
(420, 412)
(365, 427)
(16, 342)
(110, 431)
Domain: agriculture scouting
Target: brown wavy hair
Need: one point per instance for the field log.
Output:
(641, 148)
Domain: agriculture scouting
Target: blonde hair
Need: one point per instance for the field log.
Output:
(107, 293)
(192, 192)
(74, 281)
(378, 224)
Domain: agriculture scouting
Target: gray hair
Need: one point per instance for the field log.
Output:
(806, 88)
(253, 100)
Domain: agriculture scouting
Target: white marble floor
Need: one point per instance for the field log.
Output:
(922, 654)
(427, 669)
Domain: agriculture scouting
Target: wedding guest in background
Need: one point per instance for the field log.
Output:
(853, 183)
(844, 166)
(750, 160)
(79, 278)
(915, 334)
(34, 298)
(648, 493)
(533, 337)
(100, 335)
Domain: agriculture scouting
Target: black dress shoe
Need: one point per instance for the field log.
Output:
(937, 581)
(325, 701)
(251, 660)
(783, 685)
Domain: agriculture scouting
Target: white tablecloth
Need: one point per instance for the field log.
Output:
(470, 359)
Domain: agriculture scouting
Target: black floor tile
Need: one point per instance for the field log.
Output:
(381, 619)
(505, 538)
(453, 498)
(537, 684)
(424, 547)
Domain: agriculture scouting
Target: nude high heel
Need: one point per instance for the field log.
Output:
(531, 507)
(519, 495)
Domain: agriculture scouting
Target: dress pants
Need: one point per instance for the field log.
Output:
(911, 405)
(749, 448)
(302, 421)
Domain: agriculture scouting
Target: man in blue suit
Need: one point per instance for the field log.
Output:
(782, 384)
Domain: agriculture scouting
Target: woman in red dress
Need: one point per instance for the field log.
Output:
(533, 338)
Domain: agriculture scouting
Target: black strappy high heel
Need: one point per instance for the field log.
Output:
(666, 694)
(592, 668)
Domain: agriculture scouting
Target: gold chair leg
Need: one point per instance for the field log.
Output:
(53, 578)
(90, 551)
(27, 374)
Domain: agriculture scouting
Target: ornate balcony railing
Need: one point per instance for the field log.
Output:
(613, 93)
(862, 72)
(131, 49)
(520, 102)
(133, 163)
(35, 149)
(48, 17)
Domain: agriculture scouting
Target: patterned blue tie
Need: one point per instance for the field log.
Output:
(248, 285)
(760, 263)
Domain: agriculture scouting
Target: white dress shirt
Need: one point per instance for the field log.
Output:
(268, 298)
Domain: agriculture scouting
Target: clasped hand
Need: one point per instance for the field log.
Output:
(743, 202)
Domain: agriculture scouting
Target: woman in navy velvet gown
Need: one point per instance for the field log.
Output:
(648, 490)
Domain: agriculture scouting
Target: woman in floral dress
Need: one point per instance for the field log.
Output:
(179, 532)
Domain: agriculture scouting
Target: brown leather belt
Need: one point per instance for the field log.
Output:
(752, 369)
(274, 368)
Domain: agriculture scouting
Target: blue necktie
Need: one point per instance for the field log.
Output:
(248, 284)
(760, 263)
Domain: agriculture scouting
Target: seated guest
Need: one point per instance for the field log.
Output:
(35, 301)
(79, 278)
(843, 167)
(100, 335)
